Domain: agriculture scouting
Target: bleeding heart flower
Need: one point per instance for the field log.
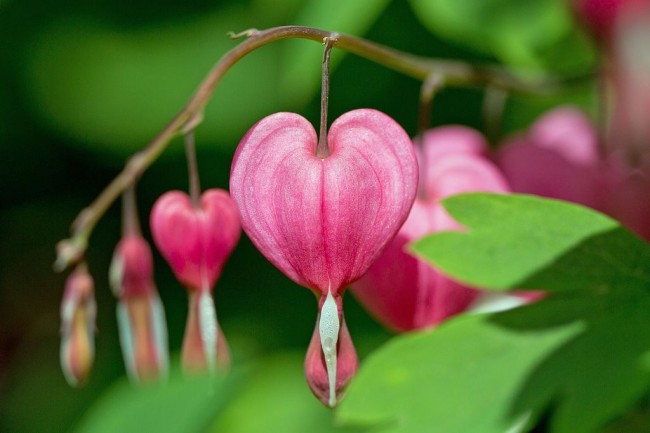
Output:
(404, 292)
(323, 221)
(140, 314)
(78, 312)
(196, 242)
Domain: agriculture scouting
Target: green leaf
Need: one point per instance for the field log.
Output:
(579, 355)
(277, 399)
(526, 242)
(460, 378)
(597, 376)
(182, 405)
(522, 33)
(300, 74)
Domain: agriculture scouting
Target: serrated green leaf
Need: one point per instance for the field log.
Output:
(277, 399)
(459, 378)
(575, 355)
(518, 241)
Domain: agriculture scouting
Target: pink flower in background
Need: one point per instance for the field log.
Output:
(140, 314)
(404, 292)
(323, 221)
(196, 242)
(557, 157)
(622, 30)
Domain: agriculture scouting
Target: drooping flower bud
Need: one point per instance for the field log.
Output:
(196, 242)
(407, 293)
(323, 221)
(78, 312)
(140, 314)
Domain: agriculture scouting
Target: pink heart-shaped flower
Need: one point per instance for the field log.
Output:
(196, 242)
(324, 221)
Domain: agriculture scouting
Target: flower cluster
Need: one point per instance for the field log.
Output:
(340, 210)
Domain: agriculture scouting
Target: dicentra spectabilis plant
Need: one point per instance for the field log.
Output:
(322, 208)
(405, 292)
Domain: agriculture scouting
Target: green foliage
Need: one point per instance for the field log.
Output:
(521, 33)
(460, 378)
(281, 400)
(526, 242)
(181, 405)
(581, 355)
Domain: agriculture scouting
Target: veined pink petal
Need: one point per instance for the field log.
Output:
(324, 221)
(195, 242)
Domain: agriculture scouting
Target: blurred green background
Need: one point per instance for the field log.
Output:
(85, 84)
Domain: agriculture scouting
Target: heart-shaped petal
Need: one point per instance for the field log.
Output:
(324, 221)
(196, 241)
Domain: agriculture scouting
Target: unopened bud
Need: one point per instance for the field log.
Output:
(78, 311)
(140, 314)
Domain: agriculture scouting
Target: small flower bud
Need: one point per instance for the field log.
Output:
(196, 243)
(78, 311)
(140, 314)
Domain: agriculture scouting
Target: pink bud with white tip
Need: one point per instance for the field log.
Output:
(196, 242)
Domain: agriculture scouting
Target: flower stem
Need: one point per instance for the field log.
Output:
(431, 85)
(192, 169)
(130, 222)
(322, 151)
(72, 250)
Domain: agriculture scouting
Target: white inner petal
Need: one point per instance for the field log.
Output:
(328, 329)
(208, 329)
